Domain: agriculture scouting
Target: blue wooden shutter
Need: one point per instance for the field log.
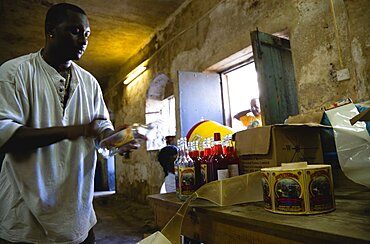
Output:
(275, 71)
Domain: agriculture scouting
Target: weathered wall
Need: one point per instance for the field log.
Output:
(207, 31)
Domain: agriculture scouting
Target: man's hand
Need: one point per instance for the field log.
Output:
(128, 147)
(26, 138)
(93, 129)
(86, 130)
(125, 149)
(124, 140)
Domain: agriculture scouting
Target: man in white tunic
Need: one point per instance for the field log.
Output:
(51, 113)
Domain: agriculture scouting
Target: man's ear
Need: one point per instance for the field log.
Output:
(49, 30)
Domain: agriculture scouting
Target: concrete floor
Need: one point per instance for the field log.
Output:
(121, 221)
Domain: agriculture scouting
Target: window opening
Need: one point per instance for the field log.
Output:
(160, 111)
(242, 86)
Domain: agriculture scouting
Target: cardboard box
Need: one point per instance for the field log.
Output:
(306, 118)
(269, 146)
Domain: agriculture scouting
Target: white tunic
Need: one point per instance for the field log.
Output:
(46, 194)
(169, 184)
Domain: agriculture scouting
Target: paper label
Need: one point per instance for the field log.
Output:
(222, 174)
(233, 170)
(186, 180)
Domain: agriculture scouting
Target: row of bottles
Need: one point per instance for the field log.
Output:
(198, 163)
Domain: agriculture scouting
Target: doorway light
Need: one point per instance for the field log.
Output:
(134, 73)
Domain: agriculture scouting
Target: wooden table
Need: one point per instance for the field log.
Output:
(245, 223)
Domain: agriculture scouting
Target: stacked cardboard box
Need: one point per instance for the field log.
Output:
(270, 146)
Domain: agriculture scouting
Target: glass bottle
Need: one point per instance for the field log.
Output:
(201, 150)
(186, 172)
(231, 158)
(196, 164)
(199, 172)
(176, 168)
(220, 167)
(212, 145)
(224, 144)
(206, 164)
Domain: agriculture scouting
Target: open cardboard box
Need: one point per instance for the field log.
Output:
(311, 118)
(272, 145)
(316, 117)
(302, 139)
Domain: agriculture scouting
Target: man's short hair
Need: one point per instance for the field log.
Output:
(58, 13)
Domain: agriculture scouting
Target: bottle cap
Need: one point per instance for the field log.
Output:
(217, 136)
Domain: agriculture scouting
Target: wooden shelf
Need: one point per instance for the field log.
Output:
(206, 222)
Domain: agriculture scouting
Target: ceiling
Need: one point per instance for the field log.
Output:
(119, 29)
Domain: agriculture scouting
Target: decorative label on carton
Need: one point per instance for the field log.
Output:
(266, 190)
(321, 197)
(289, 192)
(298, 188)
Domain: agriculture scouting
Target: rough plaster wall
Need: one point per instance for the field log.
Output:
(316, 54)
(141, 173)
(359, 30)
(214, 30)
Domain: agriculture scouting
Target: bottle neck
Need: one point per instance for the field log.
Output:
(186, 150)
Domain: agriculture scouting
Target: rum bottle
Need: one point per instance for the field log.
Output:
(176, 168)
(220, 167)
(199, 167)
(206, 161)
(186, 171)
(231, 158)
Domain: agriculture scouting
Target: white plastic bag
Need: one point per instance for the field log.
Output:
(352, 143)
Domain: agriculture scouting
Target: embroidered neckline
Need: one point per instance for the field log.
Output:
(68, 82)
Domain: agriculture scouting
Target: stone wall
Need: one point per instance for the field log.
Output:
(208, 31)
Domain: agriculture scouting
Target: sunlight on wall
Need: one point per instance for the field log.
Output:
(162, 115)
